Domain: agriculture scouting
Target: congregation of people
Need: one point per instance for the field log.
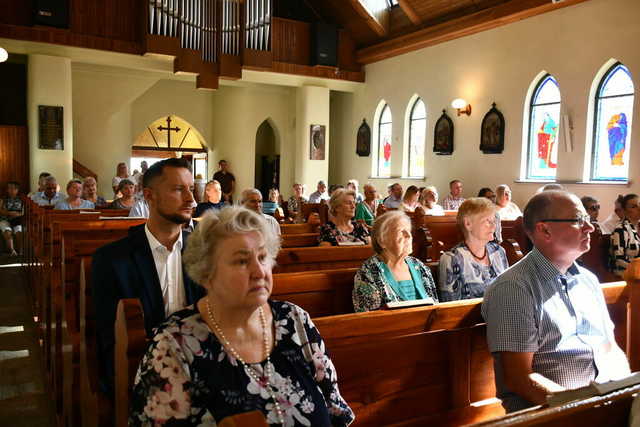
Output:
(220, 346)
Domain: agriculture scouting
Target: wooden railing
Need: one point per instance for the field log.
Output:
(82, 170)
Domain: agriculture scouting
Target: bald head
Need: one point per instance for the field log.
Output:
(545, 205)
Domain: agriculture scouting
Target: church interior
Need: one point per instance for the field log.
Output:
(414, 92)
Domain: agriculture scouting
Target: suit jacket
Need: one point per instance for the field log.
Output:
(126, 269)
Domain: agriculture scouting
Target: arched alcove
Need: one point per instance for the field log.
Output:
(267, 159)
(170, 136)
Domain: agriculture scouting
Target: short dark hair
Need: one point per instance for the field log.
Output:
(124, 182)
(626, 199)
(157, 169)
(44, 175)
(222, 161)
(483, 191)
(587, 199)
(14, 183)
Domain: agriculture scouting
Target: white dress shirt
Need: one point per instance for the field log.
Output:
(169, 269)
(273, 223)
(140, 209)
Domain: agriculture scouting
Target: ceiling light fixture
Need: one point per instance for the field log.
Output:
(462, 106)
(3, 55)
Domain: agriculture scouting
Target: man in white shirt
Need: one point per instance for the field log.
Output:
(252, 199)
(147, 264)
(394, 200)
(454, 199)
(320, 194)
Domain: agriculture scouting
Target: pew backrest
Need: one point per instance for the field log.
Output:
(291, 260)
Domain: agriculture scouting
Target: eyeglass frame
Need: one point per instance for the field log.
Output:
(581, 221)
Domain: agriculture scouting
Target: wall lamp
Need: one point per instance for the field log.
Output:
(3, 55)
(462, 106)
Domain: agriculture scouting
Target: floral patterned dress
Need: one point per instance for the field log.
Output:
(187, 378)
(460, 276)
(329, 233)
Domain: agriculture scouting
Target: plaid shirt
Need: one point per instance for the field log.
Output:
(561, 318)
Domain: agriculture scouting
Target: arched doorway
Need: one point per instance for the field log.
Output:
(267, 159)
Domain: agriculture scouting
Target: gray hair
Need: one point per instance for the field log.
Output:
(50, 178)
(200, 256)
(336, 198)
(551, 187)
(321, 182)
(541, 206)
(381, 227)
(246, 193)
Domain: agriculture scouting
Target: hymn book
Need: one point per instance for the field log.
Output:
(592, 390)
(413, 303)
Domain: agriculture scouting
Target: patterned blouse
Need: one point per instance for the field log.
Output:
(625, 246)
(460, 276)
(329, 233)
(293, 204)
(187, 378)
(371, 288)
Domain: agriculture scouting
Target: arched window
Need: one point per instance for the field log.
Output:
(612, 118)
(544, 126)
(417, 129)
(382, 166)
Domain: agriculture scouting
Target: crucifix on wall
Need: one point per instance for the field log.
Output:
(168, 128)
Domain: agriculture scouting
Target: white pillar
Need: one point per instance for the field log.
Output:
(312, 108)
(49, 83)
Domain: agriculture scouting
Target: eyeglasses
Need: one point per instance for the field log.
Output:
(594, 208)
(581, 220)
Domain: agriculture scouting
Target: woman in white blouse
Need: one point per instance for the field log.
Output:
(506, 208)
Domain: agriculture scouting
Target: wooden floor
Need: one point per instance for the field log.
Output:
(24, 398)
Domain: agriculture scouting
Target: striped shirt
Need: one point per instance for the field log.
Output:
(561, 318)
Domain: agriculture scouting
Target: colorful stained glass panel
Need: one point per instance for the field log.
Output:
(384, 143)
(544, 126)
(417, 131)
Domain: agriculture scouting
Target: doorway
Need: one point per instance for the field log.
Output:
(267, 160)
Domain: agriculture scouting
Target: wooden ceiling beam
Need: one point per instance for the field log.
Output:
(506, 13)
(410, 12)
(371, 21)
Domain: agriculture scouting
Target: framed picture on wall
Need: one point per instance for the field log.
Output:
(443, 135)
(316, 138)
(50, 128)
(363, 140)
(492, 132)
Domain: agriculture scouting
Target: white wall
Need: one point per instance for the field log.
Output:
(312, 108)
(497, 65)
(49, 83)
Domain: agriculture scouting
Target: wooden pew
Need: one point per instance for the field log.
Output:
(298, 228)
(320, 293)
(415, 366)
(596, 259)
(300, 240)
(321, 258)
(79, 241)
(612, 409)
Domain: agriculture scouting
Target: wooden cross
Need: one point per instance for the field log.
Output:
(169, 129)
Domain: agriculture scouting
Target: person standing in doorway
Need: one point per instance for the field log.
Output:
(227, 181)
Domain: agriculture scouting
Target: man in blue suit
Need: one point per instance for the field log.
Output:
(147, 264)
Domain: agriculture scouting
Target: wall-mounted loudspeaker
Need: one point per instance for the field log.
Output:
(324, 45)
(53, 13)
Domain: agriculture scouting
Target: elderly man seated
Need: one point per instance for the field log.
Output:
(548, 327)
(50, 196)
(394, 200)
(251, 198)
(320, 194)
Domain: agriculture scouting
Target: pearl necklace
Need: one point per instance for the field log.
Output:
(248, 369)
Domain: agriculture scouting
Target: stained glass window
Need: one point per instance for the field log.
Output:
(612, 125)
(383, 164)
(417, 129)
(544, 126)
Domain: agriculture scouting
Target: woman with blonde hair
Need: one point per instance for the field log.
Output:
(391, 275)
(468, 268)
(342, 229)
(235, 350)
(410, 199)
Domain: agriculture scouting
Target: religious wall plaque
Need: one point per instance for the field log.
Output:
(443, 135)
(492, 132)
(50, 128)
(316, 138)
(363, 140)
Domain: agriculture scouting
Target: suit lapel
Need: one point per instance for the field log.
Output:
(146, 266)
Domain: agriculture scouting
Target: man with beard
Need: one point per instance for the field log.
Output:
(548, 327)
(147, 264)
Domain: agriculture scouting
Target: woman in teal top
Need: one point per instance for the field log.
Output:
(391, 274)
(366, 209)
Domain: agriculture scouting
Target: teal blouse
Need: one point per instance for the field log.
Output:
(407, 290)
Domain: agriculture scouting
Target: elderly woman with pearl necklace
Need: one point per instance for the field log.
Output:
(235, 350)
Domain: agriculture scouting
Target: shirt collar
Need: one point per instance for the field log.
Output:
(155, 244)
(548, 270)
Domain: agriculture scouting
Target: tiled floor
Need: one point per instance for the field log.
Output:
(24, 398)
